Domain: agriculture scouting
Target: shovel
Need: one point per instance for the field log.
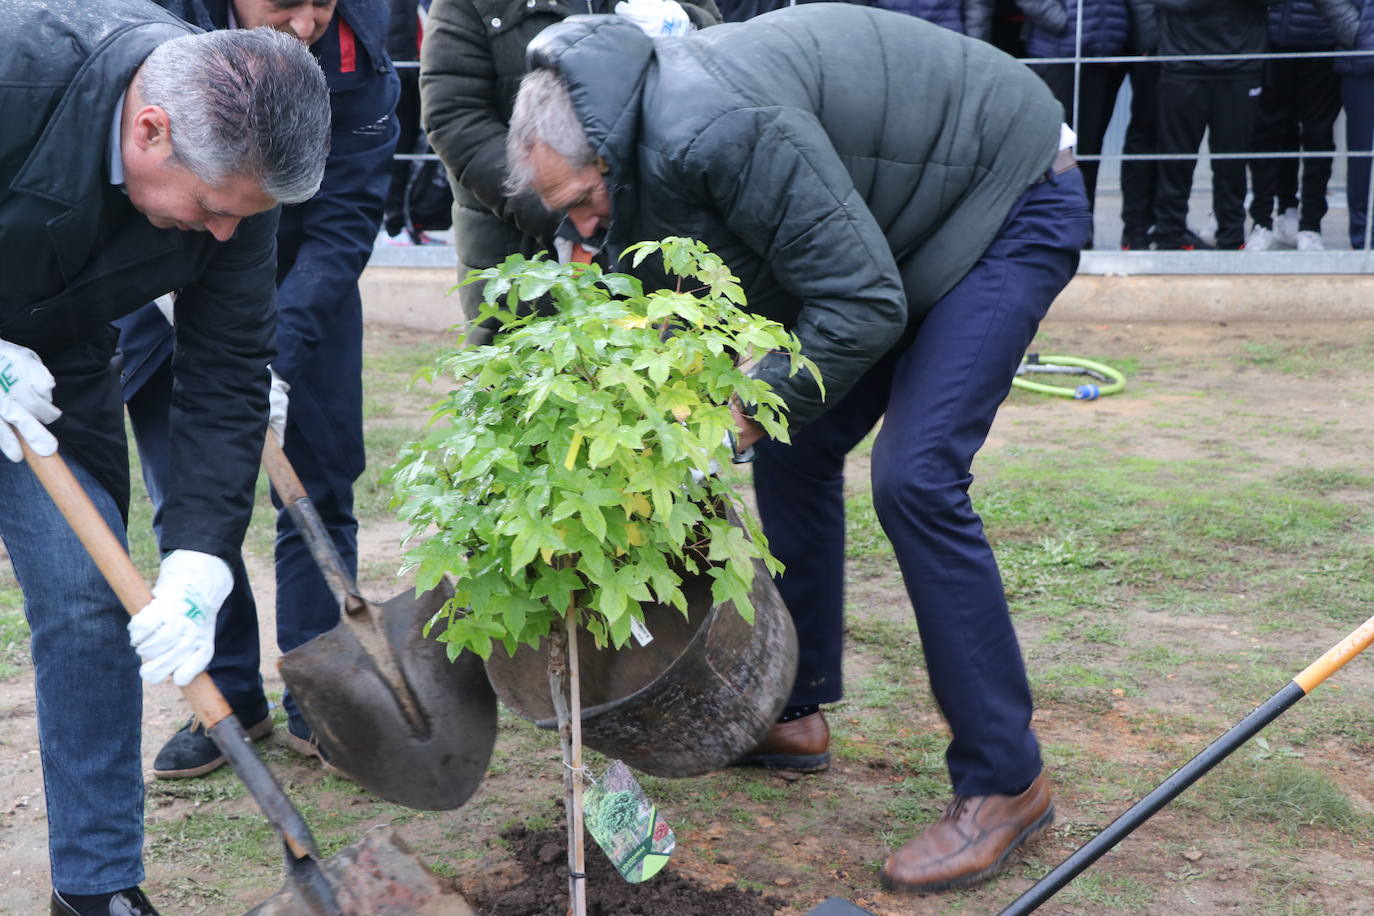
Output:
(388, 707)
(393, 882)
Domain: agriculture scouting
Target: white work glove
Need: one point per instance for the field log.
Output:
(25, 402)
(658, 18)
(276, 402)
(175, 633)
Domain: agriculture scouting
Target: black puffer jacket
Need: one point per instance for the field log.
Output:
(1352, 21)
(1202, 27)
(471, 62)
(849, 164)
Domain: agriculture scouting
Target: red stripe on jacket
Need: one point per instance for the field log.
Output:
(348, 49)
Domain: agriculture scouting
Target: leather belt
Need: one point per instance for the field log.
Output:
(1063, 161)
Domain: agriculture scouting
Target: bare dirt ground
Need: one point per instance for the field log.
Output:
(1256, 396)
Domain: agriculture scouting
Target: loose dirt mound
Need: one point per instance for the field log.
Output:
(544, 888)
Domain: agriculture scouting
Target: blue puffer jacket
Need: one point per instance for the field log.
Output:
(968, 17)
(1295, 25)
(1051, 24)
(1352, 21)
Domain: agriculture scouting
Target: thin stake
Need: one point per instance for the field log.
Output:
(575, 701)
(572, 794)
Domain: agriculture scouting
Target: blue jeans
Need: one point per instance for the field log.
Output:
(938, 391)
(305, 606)
(90, 699)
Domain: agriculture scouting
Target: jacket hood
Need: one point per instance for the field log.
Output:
(613, 55)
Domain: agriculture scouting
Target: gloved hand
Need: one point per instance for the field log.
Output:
(658, 18)
(276, 402)
(25, 402)
(175, 633)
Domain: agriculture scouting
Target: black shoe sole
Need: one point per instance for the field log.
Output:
(1030, 833)
(257, 733)
(801, 763)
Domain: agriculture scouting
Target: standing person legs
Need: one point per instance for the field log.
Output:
(1231, 109)
(1181, 126)
(1317, 106)
(1276, 131)
(90, 698)
(1139, 178)
(945, 389)
(1357, 94)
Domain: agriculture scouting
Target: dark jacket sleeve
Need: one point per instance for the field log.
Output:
(224, 332)
(1050, 15)
(458, 97)
(782, 189)
(1144, 26)
(1344, 19)
(978, 19)
(703, 13)
(340, 223)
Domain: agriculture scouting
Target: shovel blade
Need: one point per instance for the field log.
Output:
(376, 876)
(370, 732)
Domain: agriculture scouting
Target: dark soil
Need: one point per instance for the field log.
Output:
(543, 890)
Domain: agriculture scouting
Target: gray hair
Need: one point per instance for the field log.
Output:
(544, 114)
(243, 103)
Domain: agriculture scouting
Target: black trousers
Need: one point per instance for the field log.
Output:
(1226, 108)
(1297, 113)
(1098, 85)
(1139, 178)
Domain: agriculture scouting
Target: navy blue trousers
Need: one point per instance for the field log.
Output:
(937, 392)
(1357, 94)
(305, 606)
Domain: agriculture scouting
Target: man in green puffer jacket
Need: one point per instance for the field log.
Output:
(902, 197)
(472, 58)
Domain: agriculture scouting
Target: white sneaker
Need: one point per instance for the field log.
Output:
(1310, 240)
(1209, 229)
(1260, 239)
(1286, 226)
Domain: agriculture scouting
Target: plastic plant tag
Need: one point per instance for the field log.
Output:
(626, 825)
(640, 631)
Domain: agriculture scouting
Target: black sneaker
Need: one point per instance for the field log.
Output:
(192, 752)
(130, 902)
(301, 738)
(1191, 241)
(1135, 241)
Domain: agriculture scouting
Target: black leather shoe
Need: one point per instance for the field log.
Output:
(192, 752)
(131, 902)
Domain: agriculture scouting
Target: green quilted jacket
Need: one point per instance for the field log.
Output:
(849, 164)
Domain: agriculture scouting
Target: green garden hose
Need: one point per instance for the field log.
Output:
(1034, 363)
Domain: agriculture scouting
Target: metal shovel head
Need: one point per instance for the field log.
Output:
(376, 876)
(390, 709)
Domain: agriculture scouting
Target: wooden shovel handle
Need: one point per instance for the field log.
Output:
(113, 562)
(280, 471)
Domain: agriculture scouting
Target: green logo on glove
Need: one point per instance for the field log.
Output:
(193, 611)
(7, 379)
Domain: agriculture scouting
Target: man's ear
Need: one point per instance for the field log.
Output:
(152, 128)
(601, 165)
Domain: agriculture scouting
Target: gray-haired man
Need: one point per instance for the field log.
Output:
(138, 157)
(903, 198)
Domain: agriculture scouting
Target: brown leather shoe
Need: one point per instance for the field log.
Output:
(802, 744)
(970, 841)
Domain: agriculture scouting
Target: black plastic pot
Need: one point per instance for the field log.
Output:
(694, 700)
